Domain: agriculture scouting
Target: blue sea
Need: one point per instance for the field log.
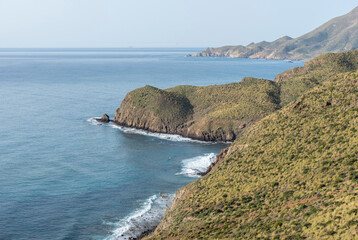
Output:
(62, 175)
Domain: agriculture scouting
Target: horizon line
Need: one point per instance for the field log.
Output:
(130, 47)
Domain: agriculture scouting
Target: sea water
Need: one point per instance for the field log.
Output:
(62, 176)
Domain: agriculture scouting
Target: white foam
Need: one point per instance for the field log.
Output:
(193, 167)
(93, 121)
(165, 136)
(147, 217)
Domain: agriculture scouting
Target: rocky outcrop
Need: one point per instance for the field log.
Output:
(337, 35)
(103, 119)
(129, 115)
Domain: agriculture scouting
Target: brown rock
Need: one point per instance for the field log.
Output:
(104, 118)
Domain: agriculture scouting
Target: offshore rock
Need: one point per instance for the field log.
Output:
(103, 119)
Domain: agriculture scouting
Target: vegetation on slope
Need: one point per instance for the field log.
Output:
(292, 175)
(231, 106)
(297, 81)
(171, 108)
(337, 35)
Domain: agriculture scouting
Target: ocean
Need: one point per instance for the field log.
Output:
(64, 176)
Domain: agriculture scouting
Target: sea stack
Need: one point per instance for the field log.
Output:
(103, 119)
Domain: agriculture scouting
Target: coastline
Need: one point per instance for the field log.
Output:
(147, 214)
(163, 135)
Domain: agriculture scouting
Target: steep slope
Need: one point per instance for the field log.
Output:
(294, 82)
(154, 109)
(337, 35)
(292, 175)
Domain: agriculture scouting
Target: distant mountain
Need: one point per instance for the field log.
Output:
(337, 35)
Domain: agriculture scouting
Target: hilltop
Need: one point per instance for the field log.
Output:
(291, 175)
(337, 35)
(224, 112)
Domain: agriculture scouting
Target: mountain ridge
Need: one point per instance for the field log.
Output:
(337, 35)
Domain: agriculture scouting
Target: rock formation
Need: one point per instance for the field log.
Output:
(103, 119)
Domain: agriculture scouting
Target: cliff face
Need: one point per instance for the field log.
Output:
(292, 175)
(337, 35)
(131, 114)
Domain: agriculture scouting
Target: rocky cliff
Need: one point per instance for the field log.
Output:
(337, 35)
(155, 110)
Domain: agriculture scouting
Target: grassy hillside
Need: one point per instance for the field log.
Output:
(292, 175)
(294, 82)
(337, 35)
(231, 106)
(171, 108)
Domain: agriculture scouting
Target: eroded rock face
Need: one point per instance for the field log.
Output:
(104, 118)
(130, 116)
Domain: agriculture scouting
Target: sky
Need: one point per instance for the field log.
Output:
(159, 23)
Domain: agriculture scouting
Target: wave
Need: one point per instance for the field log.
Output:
(165, 136)
(145, 219)
(194, 167)
(93, 121)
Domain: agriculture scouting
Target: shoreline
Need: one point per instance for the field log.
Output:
(163, 135)
(218, 158)
(170, 137)
(173, 197)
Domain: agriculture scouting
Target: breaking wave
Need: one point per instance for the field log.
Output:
(165, 136)
(196, 166)
(143, 220)
(93, 121)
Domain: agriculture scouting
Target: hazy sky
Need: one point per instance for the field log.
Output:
(159, 23)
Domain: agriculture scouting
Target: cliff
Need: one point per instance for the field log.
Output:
(291, 175)
(337, 35)
(224, 112)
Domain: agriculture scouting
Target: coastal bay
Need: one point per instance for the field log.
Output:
(64, 176)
